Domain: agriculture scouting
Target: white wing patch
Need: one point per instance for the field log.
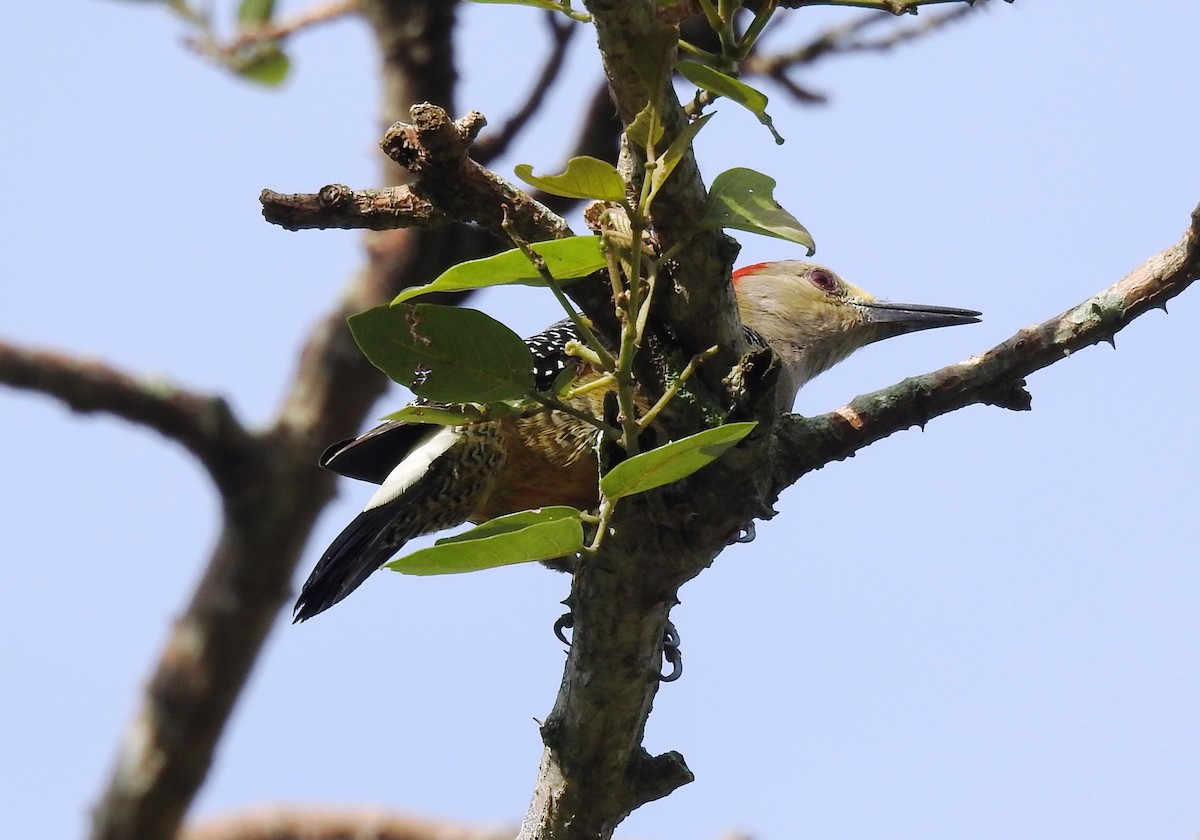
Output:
(405, 474)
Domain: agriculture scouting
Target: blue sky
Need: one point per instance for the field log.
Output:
(986, 629)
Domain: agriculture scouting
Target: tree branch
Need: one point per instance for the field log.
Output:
(492, 145)
(203, 424)
(842, 40)
(893, 7)
(322, 824)
(594, 769)
(411, 206)
(276, 490)
(338, 206)
(271, 31)
(450, 186)
(995, 377)
(436, 149)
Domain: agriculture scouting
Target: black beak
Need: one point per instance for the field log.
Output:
(900, 318)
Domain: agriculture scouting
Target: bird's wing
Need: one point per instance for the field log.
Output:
(372, 455)
(549, 358)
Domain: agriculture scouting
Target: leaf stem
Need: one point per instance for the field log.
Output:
(581, 17)
(591, 420)
(761, 19)
(605, 514)
(581, 323)
(644, 313)
(703, 55)
(603, 381)
(629, 310)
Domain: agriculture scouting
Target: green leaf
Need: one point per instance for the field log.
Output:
(585, 177)
(266, 64)
(744, 200)
(566, 259)
(458, 414)
(512, 522)
(564, 380)
(254, 13)
(447, 415)
(549, 5)
(445, 353)
(646, 129)
(671, 158)
(671, 462)
(714, 81)
(524, 537)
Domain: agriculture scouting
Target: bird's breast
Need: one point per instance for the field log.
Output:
(550, 459)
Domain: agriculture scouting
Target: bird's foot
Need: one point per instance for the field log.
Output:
(565, 622)
(671, 653)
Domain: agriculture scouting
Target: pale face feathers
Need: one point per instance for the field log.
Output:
(813, 319)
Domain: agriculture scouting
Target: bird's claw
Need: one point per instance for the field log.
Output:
(565, 622)
(671, 653)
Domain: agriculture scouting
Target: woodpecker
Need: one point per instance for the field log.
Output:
(434, 477)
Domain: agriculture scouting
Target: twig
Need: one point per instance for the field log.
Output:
(582, 416)
(450, 187)
(892, 7)
(581, 324)
(673, 389)
(491, 146)
(270, 32)
(841, 40)
(338, 206)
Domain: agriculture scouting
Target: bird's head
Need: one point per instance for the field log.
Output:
(813, 319)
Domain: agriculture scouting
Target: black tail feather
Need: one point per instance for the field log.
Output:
(437, 491)
(350, 559)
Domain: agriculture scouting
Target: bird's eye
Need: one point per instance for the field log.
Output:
(823, 280)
